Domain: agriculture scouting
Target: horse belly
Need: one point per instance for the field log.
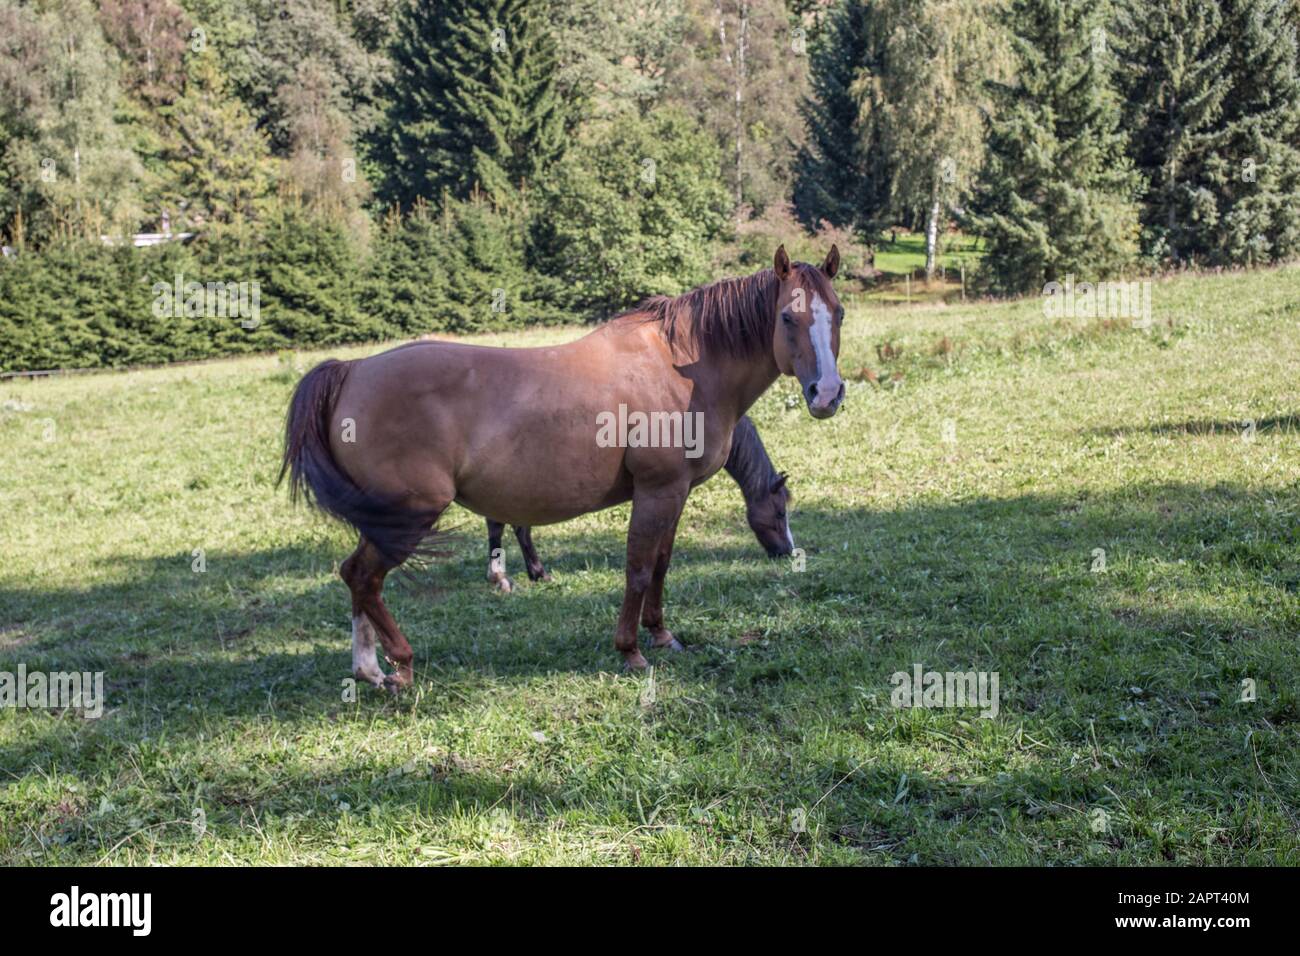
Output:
(546, 491)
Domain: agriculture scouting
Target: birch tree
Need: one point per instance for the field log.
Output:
(922, 102)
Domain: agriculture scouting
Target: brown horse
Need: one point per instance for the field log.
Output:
(641, 409)
(767, 502)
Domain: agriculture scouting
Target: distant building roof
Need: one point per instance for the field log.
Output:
(150, 238)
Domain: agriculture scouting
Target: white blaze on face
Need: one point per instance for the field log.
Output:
(820, 333)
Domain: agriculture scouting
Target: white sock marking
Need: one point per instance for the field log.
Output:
(365, 662)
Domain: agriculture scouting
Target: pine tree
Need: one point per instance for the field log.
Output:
(486, 279)
(1175, 84)
(1260, 175)
(924, 102)
(840, 174)
(401, 294)
(307, 273)
(170, 337)
(473, 103)
(1214, 106)
(27, 319)
(1057, 195)
(219, 165)
(238, 251)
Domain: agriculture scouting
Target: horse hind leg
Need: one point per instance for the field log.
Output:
(365, 662)
(364, 572)
(496, 574)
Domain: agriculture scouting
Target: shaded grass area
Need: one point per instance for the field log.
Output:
(950, 518)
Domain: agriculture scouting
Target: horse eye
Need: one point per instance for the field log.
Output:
(787, 318)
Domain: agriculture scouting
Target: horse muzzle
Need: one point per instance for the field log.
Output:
(824, 399)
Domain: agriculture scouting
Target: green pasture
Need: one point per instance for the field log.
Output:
(952, 515)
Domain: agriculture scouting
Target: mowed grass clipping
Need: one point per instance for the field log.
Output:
(950, 515)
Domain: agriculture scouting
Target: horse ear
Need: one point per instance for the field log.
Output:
(832, 263)
(778, 483)
(781, 263)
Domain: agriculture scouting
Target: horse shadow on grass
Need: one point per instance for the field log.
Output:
(1054, 593)
(1286, 424)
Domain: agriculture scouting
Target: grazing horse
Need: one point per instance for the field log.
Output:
(767, 499)
(387, 443)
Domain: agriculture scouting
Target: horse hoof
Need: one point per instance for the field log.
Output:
(665, 639)
(503, 584)
(635, 661)
(376, 679)
(394, 684)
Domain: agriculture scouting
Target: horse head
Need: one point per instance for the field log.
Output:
(806, 337)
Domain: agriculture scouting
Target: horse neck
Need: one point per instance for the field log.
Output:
(748, 463)
(731, 384)
(739, 381)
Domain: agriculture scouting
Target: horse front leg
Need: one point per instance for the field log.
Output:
(654, 515)
(652, 612)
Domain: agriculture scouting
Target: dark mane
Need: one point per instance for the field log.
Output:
(728, 317)
(748, 463)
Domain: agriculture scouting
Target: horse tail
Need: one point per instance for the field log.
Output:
(396, 530)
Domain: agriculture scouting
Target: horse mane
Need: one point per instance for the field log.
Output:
(731, 317)
(748, 463)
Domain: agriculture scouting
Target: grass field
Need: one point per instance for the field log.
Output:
(907, 254)
(950, 514)
(905, 257)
